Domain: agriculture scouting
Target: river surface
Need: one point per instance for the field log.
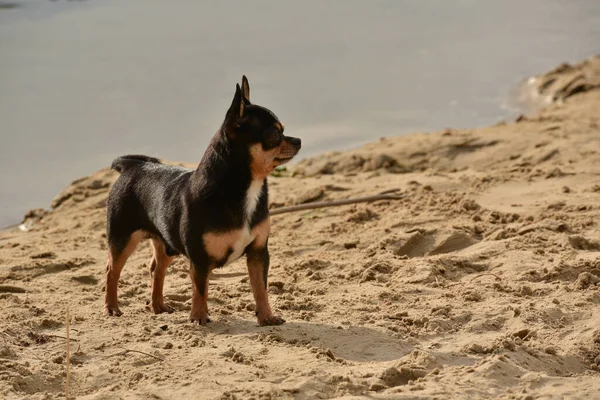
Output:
(84, 81)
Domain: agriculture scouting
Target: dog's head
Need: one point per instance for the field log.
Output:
(256, 128)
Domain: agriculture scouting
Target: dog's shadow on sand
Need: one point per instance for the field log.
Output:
(354, 343)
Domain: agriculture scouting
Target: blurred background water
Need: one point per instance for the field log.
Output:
(84, 81)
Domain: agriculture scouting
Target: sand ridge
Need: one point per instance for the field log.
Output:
(483, 281)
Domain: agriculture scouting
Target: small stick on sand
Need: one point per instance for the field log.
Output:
(68, 379)
(322, 204)
(61, 337)
(125, 351)
(390, 191)
(489, 273)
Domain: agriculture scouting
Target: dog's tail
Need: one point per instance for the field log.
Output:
(120, 164)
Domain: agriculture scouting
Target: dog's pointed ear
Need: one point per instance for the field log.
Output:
(235, 112)
(245, 88)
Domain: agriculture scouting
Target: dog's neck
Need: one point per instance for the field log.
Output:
(225, 166)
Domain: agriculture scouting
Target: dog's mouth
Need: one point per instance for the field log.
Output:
(283, 160)
(287, 150)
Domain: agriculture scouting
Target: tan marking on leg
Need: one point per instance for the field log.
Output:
(114, 266)
(258, 264)
(256, 271)
(199, 311)
(160, 263)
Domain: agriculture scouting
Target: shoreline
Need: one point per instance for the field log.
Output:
(483, 279)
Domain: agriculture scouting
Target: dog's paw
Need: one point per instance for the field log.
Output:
(199, 319)
(112, 311)
(271, 320)
(161, 307)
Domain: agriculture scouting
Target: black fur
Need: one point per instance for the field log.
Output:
(123, 162)
(179, 205)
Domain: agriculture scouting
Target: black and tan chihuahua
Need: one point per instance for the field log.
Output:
(212, 215)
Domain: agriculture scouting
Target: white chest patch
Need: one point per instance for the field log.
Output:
(252, 196)
(246, 237)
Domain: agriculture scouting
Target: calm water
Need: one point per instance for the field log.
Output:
(83, 82)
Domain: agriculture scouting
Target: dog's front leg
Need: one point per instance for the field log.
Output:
(199, 275)
(258, 269)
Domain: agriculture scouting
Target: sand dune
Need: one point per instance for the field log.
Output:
(483, 281)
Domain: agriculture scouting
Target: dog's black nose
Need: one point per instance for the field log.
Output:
(296, 142)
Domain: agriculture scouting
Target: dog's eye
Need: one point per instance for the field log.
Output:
(273, 139)
(276, 137)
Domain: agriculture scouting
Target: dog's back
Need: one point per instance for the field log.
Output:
(145, 187)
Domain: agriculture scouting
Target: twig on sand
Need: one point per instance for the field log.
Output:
(487, 273)
(386, 195)
(396, 190)
(68, 337)
(125, 351)
(68, 378)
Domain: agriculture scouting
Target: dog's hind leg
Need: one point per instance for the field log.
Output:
(158, 270)
(119, 252)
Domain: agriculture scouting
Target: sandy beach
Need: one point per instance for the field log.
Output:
(482, 281)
